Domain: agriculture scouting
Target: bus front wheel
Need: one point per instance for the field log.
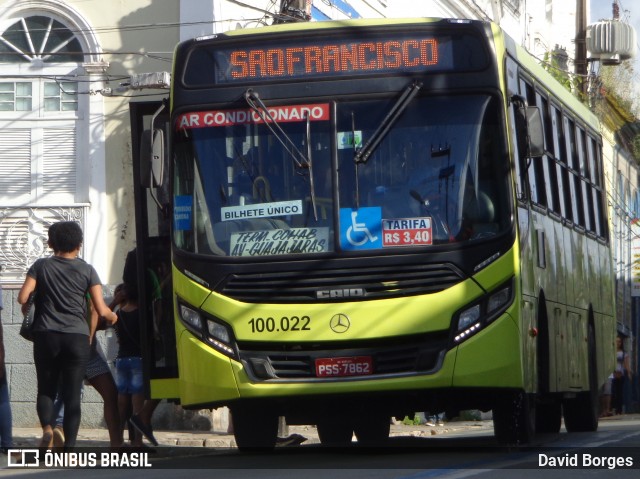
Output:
(549, 416)
(335, 430)
(514, 419)
(254, 428)
(372, 430)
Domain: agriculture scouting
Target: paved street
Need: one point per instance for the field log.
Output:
(452, 451)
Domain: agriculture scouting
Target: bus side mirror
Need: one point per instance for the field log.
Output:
(535, 132)
(152, 158)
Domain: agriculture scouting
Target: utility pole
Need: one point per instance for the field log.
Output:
(294, 11)
(581, 68)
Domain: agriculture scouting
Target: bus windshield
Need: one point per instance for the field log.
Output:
(438, 176)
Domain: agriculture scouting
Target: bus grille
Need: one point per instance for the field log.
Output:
(343, 284)
(411, 357)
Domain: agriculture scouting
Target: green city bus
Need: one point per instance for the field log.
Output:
(353, 221)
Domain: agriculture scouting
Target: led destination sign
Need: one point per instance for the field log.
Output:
(352, 58)
(295, 59)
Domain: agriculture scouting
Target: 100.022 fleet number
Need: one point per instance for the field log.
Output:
(285, 323)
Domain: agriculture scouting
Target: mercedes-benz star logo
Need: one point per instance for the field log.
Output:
(339, 323)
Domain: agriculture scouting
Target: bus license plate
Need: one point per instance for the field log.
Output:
(349, 366)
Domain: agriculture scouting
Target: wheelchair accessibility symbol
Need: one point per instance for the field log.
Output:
(360, 229)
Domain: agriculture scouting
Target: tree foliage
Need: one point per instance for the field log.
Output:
(617, 92)
(555, 62)
(618, 80)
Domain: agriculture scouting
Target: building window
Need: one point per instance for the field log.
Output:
(513, 5)
(38, 97)
(39, 114)
(15, 96)
(39, 38)
(60, 96)
(43, 130)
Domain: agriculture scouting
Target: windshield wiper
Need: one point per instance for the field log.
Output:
(255, 103)
(300, 159)
(312, 189)
(363, 154)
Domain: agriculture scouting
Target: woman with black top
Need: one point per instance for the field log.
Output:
(61, 333)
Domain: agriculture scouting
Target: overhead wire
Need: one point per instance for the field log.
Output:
(158, 56)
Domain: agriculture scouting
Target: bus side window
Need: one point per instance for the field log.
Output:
(521, 147)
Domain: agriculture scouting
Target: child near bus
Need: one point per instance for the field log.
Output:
(129, 379)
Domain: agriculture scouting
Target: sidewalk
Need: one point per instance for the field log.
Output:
(30, 437)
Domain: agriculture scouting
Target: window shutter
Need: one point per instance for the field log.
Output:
(59, 162)
(15, 165)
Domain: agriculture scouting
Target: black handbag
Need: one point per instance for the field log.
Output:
(26, 330)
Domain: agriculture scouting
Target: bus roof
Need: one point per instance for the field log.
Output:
(526, 60)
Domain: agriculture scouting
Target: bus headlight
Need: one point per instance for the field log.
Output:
(213, 332)
(191, 317)
(220, 338)
(218, 331)
(498, 300)
(468, 317)
(473, 318)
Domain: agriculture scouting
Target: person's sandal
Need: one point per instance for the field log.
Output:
(145, 430)
(58, 438)
(291, 440)
(47, 440)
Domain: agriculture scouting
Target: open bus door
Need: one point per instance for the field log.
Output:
(149, 129)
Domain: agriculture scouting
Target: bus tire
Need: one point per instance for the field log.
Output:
(372, 430)
(514, 419)
(581, 412)
(254, 428)
(335, 431)
(549, 416)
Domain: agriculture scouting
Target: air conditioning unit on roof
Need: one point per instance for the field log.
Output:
(611, 42)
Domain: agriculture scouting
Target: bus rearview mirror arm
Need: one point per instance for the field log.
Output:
(152, 157)
(534, 133)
